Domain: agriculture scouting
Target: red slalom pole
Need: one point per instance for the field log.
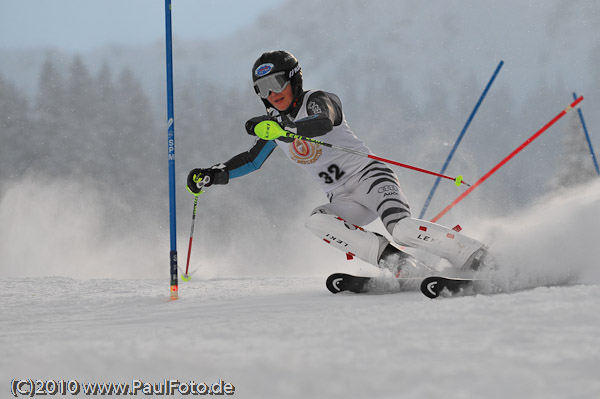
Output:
(505, 160)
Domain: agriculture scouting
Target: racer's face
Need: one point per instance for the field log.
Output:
(282, 101)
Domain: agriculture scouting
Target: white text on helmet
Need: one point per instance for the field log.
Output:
(294, 71)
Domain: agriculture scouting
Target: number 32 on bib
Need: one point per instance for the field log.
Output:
(333, 174)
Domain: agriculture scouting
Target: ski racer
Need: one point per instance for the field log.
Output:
(359, 189)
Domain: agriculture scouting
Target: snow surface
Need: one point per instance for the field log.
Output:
(286, 336)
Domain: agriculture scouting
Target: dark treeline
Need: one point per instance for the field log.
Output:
(77, 124)
(102, 129)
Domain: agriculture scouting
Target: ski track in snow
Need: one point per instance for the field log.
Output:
(287, 336)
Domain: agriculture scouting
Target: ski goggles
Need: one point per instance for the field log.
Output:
(275, 83)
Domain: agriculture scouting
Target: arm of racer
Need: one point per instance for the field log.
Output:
(251, 160)
(239, 165)
(324, 112)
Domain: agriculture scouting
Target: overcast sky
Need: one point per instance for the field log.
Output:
(84, 24)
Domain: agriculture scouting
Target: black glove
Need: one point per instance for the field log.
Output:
(252, 122)
(206, 177)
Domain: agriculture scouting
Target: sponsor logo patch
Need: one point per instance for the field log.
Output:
(263, 69)
(314, 107)
(304, 152)
(387, 188)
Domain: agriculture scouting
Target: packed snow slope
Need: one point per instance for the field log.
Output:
(78, 304)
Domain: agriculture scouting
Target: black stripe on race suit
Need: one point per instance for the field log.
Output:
(397, 212)
(391, 211)
(383, 169)
(404, 205)
(371, 164)
(396, 220)
(390, 175)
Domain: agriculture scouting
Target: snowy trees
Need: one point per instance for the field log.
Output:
(15, 151)
(575, 166)
(94, 127)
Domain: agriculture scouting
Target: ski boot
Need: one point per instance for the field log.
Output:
(401, 264)
(476, 260)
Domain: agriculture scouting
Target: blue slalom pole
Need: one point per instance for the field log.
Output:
(587, 137)
(458, 140)
(171, 153)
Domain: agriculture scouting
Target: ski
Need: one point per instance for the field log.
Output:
(435, 286)
(432, 286)
(340, 282)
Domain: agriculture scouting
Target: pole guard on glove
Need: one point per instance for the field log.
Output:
(206, 177)
(267, 128)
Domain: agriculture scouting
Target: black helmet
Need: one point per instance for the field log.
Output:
(273, 63)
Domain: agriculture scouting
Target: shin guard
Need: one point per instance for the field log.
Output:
(436, 239)
(351, 239)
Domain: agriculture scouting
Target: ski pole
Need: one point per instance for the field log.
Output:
(505, 160)
(458, 180)
(186, 276)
